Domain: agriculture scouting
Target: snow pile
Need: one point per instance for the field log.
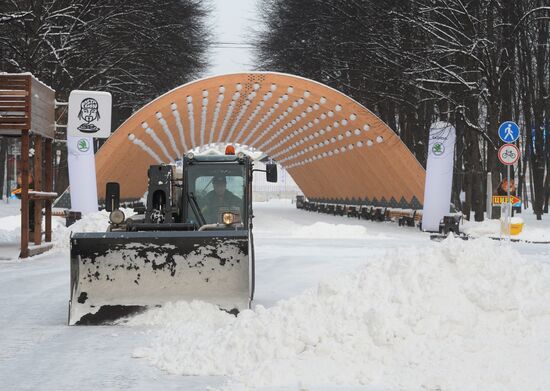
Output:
(322, 230)
(10, 229)
(11, 208)
(533, 230)
(93, 222)
(486, 227)
(452, 316)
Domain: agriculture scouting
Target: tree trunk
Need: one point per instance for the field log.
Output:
(3, 159)
(459, 178)
(539, 162)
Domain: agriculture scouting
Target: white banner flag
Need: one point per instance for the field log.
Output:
(439, 175)
(89, 117)
(82, 179)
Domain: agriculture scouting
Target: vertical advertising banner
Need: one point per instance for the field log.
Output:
(89, 118)
(439, 175)
(82, 179)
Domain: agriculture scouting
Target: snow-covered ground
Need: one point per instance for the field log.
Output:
(340, 304)
(533, 230)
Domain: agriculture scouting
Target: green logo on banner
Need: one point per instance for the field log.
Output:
(438, 149)
(83, 145)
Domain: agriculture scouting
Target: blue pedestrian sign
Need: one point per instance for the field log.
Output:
(508, 131)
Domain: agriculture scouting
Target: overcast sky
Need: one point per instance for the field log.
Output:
(232, 21)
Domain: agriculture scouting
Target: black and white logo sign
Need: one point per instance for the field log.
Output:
(89, 114)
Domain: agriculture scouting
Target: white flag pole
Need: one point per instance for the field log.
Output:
(89, 118)
(439, 175)
(82, 178)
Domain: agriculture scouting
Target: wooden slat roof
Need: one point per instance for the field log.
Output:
(334, 148)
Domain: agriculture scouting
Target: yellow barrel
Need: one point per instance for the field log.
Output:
(516, 226)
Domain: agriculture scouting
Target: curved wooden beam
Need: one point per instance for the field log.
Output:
(333, 147)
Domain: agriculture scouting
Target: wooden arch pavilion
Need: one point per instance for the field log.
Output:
(334, 148)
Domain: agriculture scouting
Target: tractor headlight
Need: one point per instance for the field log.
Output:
(228, 218)
(117, 217)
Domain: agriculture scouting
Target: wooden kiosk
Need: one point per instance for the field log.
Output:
(27, 110)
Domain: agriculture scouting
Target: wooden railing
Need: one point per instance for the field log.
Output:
(15, 103)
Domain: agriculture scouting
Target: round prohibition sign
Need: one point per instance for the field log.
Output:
(508, 154)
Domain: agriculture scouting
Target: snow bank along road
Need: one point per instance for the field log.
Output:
(340, 304)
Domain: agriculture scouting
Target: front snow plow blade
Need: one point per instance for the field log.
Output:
(114, 274)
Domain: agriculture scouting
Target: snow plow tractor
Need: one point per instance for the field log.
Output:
(192, 241)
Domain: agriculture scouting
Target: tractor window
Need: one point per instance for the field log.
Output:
(205, 185)
(216, 190)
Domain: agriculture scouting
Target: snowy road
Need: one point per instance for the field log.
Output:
(294, 251)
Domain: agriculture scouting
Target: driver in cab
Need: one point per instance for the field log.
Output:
(218, 198)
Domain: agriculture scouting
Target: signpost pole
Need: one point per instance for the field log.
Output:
(509, 212)
(508, 154)
(489, 195)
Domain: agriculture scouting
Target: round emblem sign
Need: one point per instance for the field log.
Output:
(438, 149)
(508, 131)
(508, 154)
(83, 145)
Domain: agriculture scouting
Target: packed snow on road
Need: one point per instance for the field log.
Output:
(340, 304)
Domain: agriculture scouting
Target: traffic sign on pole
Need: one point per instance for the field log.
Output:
(508, 131)
(498, 200)
(508, 154)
